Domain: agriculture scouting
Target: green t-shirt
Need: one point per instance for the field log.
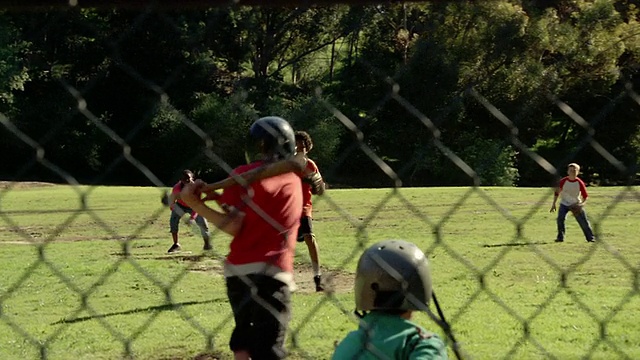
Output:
(385, 336)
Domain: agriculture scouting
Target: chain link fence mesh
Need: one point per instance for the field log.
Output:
(360, 221)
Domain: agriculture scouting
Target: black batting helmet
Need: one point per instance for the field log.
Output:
(273, 137)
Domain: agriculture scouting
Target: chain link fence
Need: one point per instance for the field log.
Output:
(364, 144)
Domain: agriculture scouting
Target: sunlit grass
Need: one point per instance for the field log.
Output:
(68, 290)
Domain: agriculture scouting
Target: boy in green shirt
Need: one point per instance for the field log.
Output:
(392, 280)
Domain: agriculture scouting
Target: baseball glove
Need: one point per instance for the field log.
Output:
(576, 209)
(165, 199)
(316, 182)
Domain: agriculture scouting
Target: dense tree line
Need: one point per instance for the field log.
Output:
(433, 89)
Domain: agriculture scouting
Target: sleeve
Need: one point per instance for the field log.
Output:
(431, 348)
(232, 196)
(348, 348)
(176, 188)
(174, 195)
(583, 190)
(312, 167)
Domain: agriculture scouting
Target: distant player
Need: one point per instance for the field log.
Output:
(573, 196)
(311, 174)
(179, 208)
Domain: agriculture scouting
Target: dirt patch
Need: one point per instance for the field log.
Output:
(23, 184)
(36, 238)
(334, 281)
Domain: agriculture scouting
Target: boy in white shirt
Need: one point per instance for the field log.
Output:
(573, 195)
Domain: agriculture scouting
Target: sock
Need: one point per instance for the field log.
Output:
(316, 268)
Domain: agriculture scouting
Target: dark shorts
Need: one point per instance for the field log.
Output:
(178, 212)
(258, 330)
(306, 227)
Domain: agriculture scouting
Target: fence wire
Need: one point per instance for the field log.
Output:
(525, 344)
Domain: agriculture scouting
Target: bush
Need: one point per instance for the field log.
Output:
(493, 162)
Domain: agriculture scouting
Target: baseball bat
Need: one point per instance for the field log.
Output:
(296, 163)
(447, 329)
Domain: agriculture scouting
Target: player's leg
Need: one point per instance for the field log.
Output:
(204, 231)
(239, 298)
(583, 221)
(261, 321)
(562, 216)
(312, 245)
(305, 233)
(174, 224)
(200, 223)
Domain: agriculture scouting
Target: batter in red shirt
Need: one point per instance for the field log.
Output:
(263, 219)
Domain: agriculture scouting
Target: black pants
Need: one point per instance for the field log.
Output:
(261, 319)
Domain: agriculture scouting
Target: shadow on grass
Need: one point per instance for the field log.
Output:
(517, 244)
(192, 258)
(166, 307)
(56, 211)
(203, 356)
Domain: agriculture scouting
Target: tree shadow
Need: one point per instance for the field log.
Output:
(517, 244)
(183, 257)
(166, 307)
(55, 211)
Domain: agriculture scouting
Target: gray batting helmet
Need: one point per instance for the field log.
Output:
(275, 137)
(393, 275)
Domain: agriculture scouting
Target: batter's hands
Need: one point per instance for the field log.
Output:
(211, 195)
(553, 208)
(191, 193)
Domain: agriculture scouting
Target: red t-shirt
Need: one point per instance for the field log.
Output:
(307, 204)
(177, 188)
(272, 210)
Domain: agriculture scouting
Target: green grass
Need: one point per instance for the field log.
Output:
(84, 273)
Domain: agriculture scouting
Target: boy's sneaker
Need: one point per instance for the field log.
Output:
(317, 280)
(591, 240)
(174, 248)
(559, 240)
(207, 246)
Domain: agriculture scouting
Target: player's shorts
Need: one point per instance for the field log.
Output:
(178, 212)
(306, 227)
(257, 330)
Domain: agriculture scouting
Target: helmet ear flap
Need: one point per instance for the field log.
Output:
(388, 299)
(393, 275)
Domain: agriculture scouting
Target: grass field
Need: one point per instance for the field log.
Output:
(84, 273)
